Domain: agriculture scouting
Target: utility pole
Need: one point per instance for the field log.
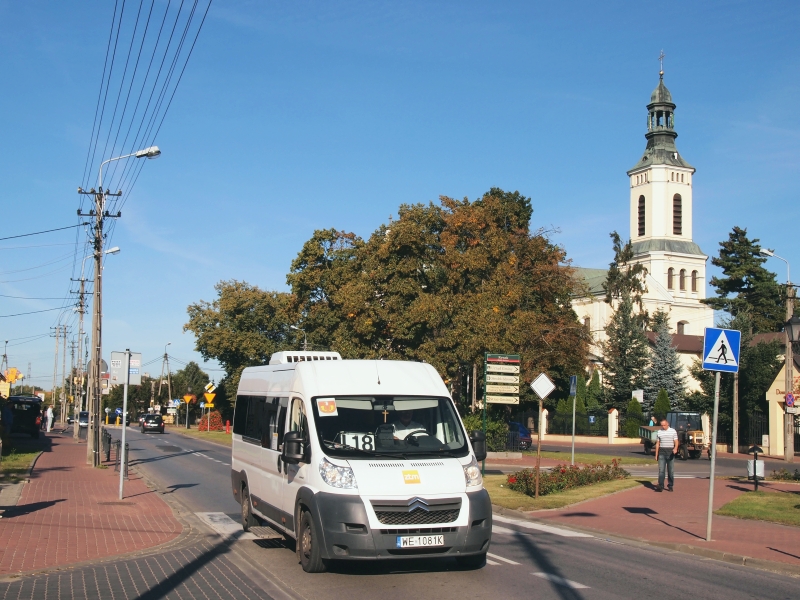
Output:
(788, 441)
(735, 447)
(99, 213)
(56, 335)
(152, 393)
(64, 377)
(165, 363)
(79, 402)
(72, 378)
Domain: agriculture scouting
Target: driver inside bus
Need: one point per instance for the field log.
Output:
(405, 425)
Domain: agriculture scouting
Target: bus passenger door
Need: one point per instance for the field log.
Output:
(294, 474)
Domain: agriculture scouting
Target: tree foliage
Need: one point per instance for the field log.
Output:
(594, 393)
(662, 405)
(625, 355)
(624, 280)
(746, 286)
(664, 369)
(633, 418)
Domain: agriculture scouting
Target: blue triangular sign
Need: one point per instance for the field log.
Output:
(721, 350)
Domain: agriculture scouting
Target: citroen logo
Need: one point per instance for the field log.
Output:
(418, 503)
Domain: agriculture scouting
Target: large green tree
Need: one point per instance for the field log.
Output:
(745, 285)
(664, 369)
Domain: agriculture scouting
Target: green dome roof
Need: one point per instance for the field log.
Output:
(660, 94)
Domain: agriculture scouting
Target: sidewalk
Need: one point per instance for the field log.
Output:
(70, 513)
(679, 518)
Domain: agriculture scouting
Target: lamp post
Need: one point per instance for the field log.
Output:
(305, 338)
(99, 213)
(788, 429)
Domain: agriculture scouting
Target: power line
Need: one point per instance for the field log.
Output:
(33, 312)
(32, 298)
(12, 237)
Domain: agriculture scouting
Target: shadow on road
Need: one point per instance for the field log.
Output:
(649, 512)
(171, 583)
(544, 565)
(179, 486)
(20, 510)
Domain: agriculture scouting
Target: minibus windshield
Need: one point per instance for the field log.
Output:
(368, 426)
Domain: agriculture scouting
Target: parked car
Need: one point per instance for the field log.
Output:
(141, 418)
(153, 423)
(83, 418)
(27, 414)
(525, 439)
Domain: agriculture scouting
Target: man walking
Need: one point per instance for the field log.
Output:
(666, 449)
(50, 416)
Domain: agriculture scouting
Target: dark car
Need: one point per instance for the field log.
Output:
(525, 439)
(153, 423)
(141, 418)
(83, 418)
(27, 414)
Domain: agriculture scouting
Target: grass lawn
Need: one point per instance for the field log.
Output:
(220, 437)
(777, 507)
(507, 498)
(14, 466)
(590, 459)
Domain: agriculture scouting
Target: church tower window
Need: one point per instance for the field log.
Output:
(641, 216)
(682, 279)
(677, 215)
(670, 277)
(694, 281)
(682, 328)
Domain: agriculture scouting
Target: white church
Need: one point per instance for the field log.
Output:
(661, 233)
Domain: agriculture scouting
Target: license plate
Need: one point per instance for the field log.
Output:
(419, 541)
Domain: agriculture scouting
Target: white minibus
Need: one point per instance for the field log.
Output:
(358, 459)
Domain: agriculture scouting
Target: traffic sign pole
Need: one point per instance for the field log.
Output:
(122, 468)
(713, 457)
(543, 387)
(573, 383)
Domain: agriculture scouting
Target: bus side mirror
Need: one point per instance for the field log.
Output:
(293, 447)
(478, 441)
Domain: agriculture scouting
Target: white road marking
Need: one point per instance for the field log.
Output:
(561, 581)
(224, 525)
(491, 562)
(498, 529)
(540, 527)
(505, 560)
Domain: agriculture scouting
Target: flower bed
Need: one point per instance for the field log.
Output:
(564, 477)
(216, 422)
(785, 475)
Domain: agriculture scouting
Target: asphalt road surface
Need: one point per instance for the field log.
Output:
(525, 559)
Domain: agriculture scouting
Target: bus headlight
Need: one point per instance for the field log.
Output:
(472, 473)
(335, 476)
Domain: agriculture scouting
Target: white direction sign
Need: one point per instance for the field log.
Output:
(502, 399)
(502, 368)
(503, 389)
(502, 379)
(721, 349)
(117, 372)
(543, 386)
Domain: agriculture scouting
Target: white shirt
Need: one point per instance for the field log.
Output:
(666, 438)
(401, 431)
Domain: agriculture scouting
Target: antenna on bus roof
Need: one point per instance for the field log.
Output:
(378, 372)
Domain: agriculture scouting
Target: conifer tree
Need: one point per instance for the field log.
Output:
(664, 370)
(662, 405)
(625, 355)
(746, 286)
(594, 393)
(633, 418)
(580, 397)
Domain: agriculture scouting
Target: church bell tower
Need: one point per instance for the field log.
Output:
(661, 222)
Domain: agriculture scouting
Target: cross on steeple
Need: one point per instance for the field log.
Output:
(661, 62)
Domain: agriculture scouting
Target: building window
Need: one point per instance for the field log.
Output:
(677, 215)
(641, 216)
(681, 177)
(670, 275)
(672, 176)
(682, 279)
(682, 328)
(694, 281)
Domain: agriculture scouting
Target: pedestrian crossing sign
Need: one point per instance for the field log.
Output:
(721, 350)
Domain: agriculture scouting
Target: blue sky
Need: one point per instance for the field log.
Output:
(296, 116)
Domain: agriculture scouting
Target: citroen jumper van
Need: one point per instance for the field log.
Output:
(358, 459)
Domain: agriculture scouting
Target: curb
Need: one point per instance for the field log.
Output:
(191, 437)
(727, 557)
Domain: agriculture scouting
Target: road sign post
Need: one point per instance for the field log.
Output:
(209, 403)
(573, 391)
(500, 377)
(542, 386)
(720, 354)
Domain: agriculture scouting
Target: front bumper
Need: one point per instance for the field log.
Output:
(347, 535)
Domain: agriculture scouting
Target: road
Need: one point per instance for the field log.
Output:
(525, 559)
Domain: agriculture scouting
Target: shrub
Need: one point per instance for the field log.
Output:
(785, 475)
(633, 419)
(216, 422)
(564, 477)
(496, 431)
(662, 406)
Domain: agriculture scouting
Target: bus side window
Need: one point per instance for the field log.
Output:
(281, 422)
(240, 414)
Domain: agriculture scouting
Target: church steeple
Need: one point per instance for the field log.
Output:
(661, 134)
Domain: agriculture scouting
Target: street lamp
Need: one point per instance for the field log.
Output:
(792, 330)
(305, 338)
(99, 213)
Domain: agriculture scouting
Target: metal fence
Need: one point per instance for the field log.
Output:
(592, 422)
(758, 427)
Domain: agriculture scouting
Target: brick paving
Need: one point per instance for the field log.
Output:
(68, 513)
(680, 518)
(200, 571)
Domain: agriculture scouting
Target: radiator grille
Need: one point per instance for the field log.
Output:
(418, 516)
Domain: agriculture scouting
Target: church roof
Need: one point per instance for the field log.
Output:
(667, 245)
(593, 279)
(660, 94)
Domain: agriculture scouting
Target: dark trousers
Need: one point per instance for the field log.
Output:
(666, 462)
